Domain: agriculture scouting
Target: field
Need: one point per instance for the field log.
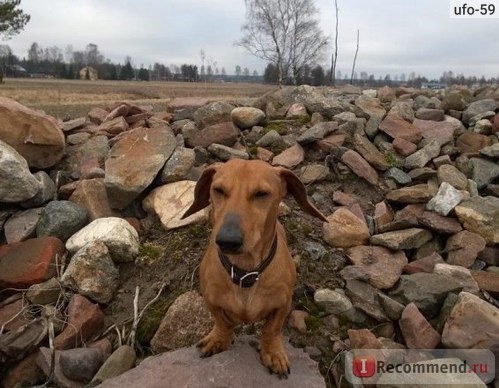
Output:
(74, 98)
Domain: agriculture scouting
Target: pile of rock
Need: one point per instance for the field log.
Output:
(424, 255)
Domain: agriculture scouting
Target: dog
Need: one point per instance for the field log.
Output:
(247, 273)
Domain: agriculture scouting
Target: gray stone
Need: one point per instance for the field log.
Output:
(120, 237)
(420, 158)
(403, 109)
(399, 176)
(16, 344)
(332, 302)
(271, 139)
(185, 323)
(426, 290)
(402, 239)
(483, 126)
(443, 316)
(239, 366)
(478, 107)
(212, 113)
(92, 273)
(480, 215)
(372, 126)
(44, 362)
(45, 193)
(18, 184)
(483, 171)
(317, 132)
(364, 297)
(61, 219)
(225, 153)
(491, 151)
(315, 250)
(460, 274)
(430, 114)
(247, 117)
(122, 360)
(71, 125)
(369, 151)
(44, 293)
(178, 166)
(392, 308)
(80, 364)
(446, 199)
(22, 225)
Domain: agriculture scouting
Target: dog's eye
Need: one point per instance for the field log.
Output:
(219, 191)
(261, 194)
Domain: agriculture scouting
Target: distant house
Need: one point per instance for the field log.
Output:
(16, 71)
(89, 73)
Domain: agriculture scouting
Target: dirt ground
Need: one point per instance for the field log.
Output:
(69, 99)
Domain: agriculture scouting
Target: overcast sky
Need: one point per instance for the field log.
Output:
(396, 36)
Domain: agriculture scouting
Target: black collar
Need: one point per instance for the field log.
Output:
(244, 278)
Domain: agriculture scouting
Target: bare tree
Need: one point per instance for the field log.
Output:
(334, 56)
(285, 33)
(355, 58)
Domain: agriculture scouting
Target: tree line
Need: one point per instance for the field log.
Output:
(54, 62)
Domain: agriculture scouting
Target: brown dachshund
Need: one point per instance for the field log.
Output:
(247, 273)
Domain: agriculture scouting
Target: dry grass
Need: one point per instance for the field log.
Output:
(74, 98)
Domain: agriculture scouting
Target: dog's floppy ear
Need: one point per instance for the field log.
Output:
(296, 188)
(202, 191)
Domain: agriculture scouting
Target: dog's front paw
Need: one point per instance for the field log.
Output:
(276, 360)
(212, 344)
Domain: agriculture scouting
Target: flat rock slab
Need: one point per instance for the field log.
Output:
(237, 367)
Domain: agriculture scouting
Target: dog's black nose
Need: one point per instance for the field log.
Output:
(230, 236)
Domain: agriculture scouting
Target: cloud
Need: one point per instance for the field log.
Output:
(395, 36)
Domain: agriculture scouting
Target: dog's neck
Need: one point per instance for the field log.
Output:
(247, 278)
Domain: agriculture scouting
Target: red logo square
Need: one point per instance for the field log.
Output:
(364, 366)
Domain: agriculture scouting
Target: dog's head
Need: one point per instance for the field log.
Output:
(245, 197)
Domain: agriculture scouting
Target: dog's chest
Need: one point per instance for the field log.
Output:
(247, 306)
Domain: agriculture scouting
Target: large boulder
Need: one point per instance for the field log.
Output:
(134, 161)
(35, 135)
(239, 366)
(18, 184)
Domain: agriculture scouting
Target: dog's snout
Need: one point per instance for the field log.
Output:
(230, 236)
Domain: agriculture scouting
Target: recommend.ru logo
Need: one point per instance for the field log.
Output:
(430, 366)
